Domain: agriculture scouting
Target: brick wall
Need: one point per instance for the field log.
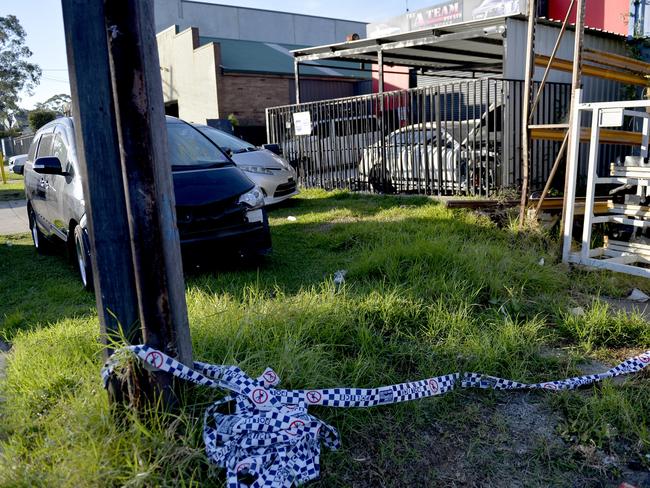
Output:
(247, 96)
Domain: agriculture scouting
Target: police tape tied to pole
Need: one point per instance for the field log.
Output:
(271, 438)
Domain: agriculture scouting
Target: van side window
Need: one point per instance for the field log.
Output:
(45, 147)
(59, 149)
(32, 149)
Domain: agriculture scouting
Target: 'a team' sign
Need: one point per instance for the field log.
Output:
(445, 13)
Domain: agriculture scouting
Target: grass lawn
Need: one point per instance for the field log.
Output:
(14, 189)
(429, 291)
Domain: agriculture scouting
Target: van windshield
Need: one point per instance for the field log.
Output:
(226, 141)
(189, 149)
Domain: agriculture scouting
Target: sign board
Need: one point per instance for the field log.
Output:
(611, 117)
(302, 123)
(446, 13)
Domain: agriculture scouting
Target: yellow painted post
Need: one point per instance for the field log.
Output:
(2, 168)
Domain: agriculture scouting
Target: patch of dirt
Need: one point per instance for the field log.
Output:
(4, 348)
(510, 442)
(326, 227)
(629, 306)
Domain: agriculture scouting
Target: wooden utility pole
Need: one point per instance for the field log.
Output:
(528, 81)
(101, 173)
(148, 184)
(134, 120)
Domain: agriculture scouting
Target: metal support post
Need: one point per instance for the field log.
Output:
(296, 71)
(572, 175)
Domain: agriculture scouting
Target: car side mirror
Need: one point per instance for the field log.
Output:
(19, 170)
(48, 165)
(274, 148)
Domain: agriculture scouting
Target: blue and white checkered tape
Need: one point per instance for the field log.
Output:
(273, 440)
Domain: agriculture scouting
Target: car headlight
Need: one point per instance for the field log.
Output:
(260, 170)
(282, 162)
(253, 198)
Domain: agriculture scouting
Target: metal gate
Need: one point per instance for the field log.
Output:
(459, 138)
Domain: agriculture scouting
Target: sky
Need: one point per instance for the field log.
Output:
(43, 22)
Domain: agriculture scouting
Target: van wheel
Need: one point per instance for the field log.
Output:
(41, 243)
(82, 252)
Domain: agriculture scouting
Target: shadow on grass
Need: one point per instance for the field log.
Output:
(35, 289)
(8, 193)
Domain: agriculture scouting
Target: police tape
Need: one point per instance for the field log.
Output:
(271, 441)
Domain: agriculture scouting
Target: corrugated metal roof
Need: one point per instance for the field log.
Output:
(474, 44)
(477, 44)
(239, 56)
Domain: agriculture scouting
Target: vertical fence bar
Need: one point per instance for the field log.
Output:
(436, 156)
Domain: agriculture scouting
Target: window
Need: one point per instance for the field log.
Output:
(59, 149)
(322, 129)
(355, 125)
(32, 149)
(45, 147)
(188, 148)
(412, 137)
(226, 141)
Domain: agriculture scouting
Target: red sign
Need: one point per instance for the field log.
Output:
(270, 376)
(295, 425)
(259, 396)
(313, 396)
(155, 359)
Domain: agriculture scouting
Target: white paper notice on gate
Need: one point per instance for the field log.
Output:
(302, 123)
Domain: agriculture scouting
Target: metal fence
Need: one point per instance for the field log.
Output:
(459, 138)
(21, 144)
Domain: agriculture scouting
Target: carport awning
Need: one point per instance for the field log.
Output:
(469, 46)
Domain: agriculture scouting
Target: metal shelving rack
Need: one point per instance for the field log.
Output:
(625, 257)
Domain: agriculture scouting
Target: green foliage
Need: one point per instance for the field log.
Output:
(611, 415)
(232, 118)
(599, 327)
(39, 117)
(59, 104)
(13, 132)
(16, 72)
(429, 291)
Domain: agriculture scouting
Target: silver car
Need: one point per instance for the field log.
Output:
(409, 158)
(17, 163)
(266, 169)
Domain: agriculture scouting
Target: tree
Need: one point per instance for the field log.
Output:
(58, 103)
(39, 117)
(16, 72)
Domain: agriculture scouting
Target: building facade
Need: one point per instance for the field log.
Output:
(222, 62)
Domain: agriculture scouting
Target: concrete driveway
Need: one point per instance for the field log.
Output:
(13, 217)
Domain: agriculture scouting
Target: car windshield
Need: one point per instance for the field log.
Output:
(226, 141)
(411, 137)
(188, 149)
